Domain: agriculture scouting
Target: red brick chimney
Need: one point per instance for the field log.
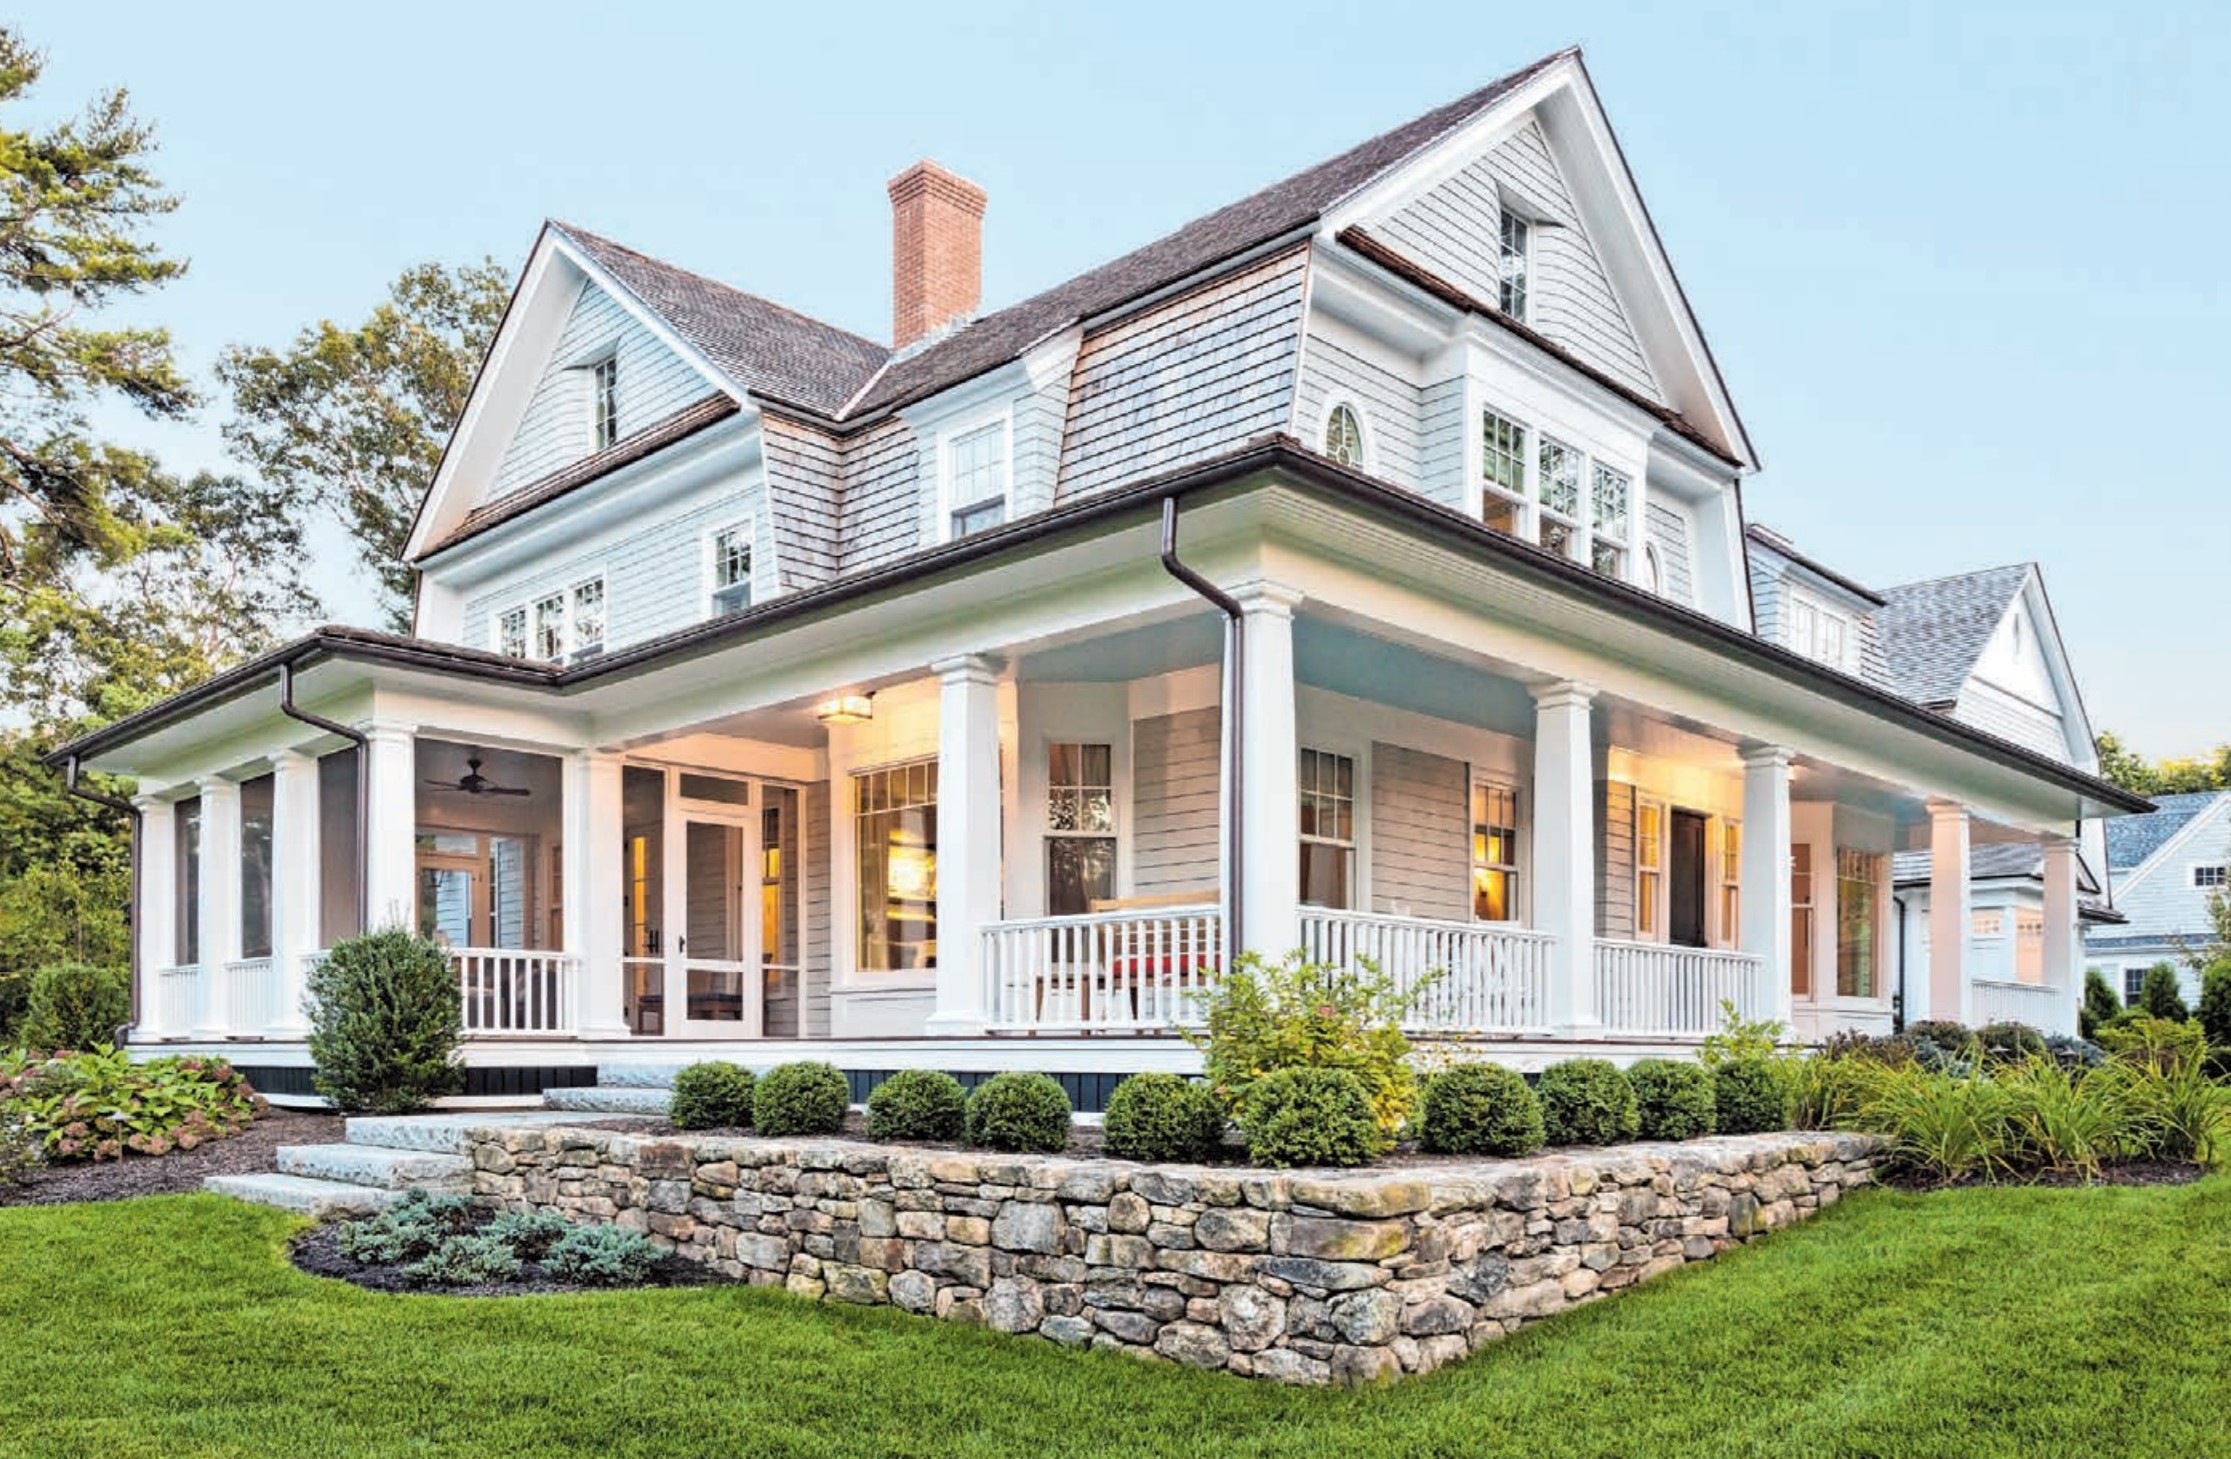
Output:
(937, 251)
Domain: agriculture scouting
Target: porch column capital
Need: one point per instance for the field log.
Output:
(1563, 694)
(973, 668)
(1947, 810)
(1266, 596)
(1759, 756)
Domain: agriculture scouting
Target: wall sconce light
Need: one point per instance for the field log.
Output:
(846, 709)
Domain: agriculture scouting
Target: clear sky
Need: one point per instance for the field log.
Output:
(1962, 265)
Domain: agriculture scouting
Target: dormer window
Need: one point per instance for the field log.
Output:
(1344, 436)
(1503, 469)
(1517, 244)
(976, 480)
(1817, 631)
(604, 402)
(731, 576)
(1560, 494)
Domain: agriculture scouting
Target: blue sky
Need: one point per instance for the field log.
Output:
(1962, 266)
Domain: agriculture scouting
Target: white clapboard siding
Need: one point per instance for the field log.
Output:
(2011, 717)
(1388, 406)
(1615, 860)
(1175, 802)
(1444, 443)
(1667, 529)
(1420, 866)
(815, 976)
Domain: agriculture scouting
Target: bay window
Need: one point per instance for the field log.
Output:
(1080, 827)
(1328, 829)
(894, 817)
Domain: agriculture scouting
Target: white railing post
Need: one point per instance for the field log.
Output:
(220, 903)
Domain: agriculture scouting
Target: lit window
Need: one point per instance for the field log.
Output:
(731, 570)
(2029, 945)
(586, 635)
(511, 633)
(1987, 922)
(1650, 843)
(1344, 437)
(976, 481)
(2211, 878)
(1858, 922)
(1731, 882)
(1494, 853)
(1608, 492)
(1516, 233)
(604, 398)
(1559, 479)
(895, 830)
(1801, 919)
(1328, 829)
(1503, 471)
(1080, 827)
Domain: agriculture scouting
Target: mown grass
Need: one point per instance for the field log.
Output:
(1969, 1323)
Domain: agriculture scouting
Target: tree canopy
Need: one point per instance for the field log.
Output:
(2134, 772)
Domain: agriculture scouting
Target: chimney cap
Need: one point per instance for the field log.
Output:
(928, 175)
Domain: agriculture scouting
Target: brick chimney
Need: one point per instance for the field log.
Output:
(937, 251)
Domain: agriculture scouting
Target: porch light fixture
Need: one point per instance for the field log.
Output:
(846, 709)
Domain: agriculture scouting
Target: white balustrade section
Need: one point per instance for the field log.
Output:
(1675, 992)
(2048, 1010)
(179, 992)
(511, 991)
(1124, 971)
(1494, 977)
(256, 995)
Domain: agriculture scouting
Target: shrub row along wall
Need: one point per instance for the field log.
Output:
(1297, 1277)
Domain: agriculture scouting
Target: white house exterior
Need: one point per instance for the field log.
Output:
(1361, 568)
(2166, 868)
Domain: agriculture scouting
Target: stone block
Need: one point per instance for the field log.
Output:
(1233, 1228)
(969, 1265)
(1014, 1304)
(1252, 1318)
(1362, 1367)
(913, 1291)
(1022, 1226)
(1070, 1332)
(1329, 1239)
(1129, 1214)
(1193, 1345)
(1436, 1316)
(1324, 1276)
(1366, 1318)
(1132, 1327)
(1375, 1197)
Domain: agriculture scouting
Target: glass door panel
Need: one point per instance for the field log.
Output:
(780, 956)
(720, 993)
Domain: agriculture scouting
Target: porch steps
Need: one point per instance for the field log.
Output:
(610, 1099)
(309, 1196)
(376, 1165)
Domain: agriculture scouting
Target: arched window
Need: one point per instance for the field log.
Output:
(1344, 436)
(1653, 577)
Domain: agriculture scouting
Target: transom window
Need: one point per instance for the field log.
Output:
(604, 402)
(2211, 878)
(976, 480)
(1344, 436)
(1494, 852)
(1609, 490)
(894, 817)
(1858, 922)
(556, 627)
(1080, 827)
(1503, 473)
(1516, 241)
(732, 569)
(1328, 829)
(1560, 495)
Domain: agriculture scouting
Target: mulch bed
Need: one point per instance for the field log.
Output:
(2118, 1172)
(318, 1252)
(246, 1153)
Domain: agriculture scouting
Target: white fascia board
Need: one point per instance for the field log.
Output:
(1450, 153)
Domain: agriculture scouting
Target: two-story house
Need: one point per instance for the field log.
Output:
(2168, 868)
(1359, 568)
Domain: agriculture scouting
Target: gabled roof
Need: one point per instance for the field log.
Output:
(1934, 632)
(2132, 839)
(1992, 859)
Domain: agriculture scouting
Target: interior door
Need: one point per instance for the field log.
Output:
(1685, 881)
(714, 966)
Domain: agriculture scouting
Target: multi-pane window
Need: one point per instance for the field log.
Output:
(256, 810)
(2211, 878)
(1858, 922)
(1818, 632)
(587, 629)
(604, 401)
(1080, 827)
(1503, 473)
(2134, 983)
(1731, 882)
(1328, 829)
(1344, 436)
(1650, 862)
(1608, 492)
(556, 627)
(894, 818)
(549, 625)
(732, 569)
(1515, 240)
(976, 480)
(1494, 852)
(186, 830)
(511, 633)
(1559, 479)
(1801, 919)
(2029, 945)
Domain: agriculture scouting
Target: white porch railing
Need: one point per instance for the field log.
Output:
(1674, 992)
(2048, 1010)
(255, 997)
(178, 999)
(509, 991)
(1496, 977)
(1127, 971)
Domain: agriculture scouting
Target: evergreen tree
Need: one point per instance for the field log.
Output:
(2158, 996)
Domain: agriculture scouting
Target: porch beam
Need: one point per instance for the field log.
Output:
(391, 827)
(594, 896)
(1565, 850)
(157, 913)
(295, 871)
(1267, 773)
(968, 800)
(1949, 912)
(221, 908)
(1764, 929)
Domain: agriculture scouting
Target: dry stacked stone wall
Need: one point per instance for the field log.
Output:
(1299, 1277)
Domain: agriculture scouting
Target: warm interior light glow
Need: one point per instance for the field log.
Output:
(846, 709)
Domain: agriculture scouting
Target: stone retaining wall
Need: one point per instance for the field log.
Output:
(1300, 1277)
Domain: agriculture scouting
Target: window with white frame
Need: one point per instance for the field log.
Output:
(976, 479)
(2029, 945)
(604, 402)
(1080, 827)
(1650, 854)
(894, 818)
(1494, 852)
(1731, 883)
(1514, 256)
(1801, 919)
(2211, 878)
(2134, 983)
(1858, 922)
(1558, 478)
(1344, 435)
(1609, 490)
(1817, 631)
(1503, 474)
(585, 626)
(1328, 829)
(549, 628)
(731, 569)
(556, 627)
(511, 633)
(1986, 923)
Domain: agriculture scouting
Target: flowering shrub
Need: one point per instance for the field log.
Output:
(99, 1105)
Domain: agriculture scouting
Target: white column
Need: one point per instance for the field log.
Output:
(1949, 914)
(1765, 871)
(295, 869)
(220, 903)
(391, 828)
(1565, 851)
(593, 893)
(967, 836)
(2064, 971)
(1269, 775)
(156, 913)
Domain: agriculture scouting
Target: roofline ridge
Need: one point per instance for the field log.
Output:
(2026, 565)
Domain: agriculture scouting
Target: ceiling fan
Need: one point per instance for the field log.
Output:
(472, 782)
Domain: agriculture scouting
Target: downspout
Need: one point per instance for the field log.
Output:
(1898, 998)
(291, 710)
(131, 812)
(1235, 713)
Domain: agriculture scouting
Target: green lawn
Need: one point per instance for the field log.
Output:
(1975, 1323)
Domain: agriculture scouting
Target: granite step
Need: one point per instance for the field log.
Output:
(443, 1134)
(377, 1165)
(610, 1099)
(305, 1194)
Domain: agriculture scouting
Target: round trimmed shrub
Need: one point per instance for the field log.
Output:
(2009, 1042)
(1673, 1097)
(1018, 1111)
(805, 1098)
(918, 1104)
(713, 1095)
(1587, 1102)
(1747, 1097)
(1309, 1116)
(1480, 1109)
(1163, 1117)
(384, 1023)
(76, 1006)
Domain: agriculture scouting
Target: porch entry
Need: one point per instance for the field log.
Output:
(1685, 881)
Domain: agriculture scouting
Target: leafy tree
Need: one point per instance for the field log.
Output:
(2134, 772)
(354, 419)
(2125, 766)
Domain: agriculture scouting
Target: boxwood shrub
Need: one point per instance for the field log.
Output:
(713, 1095)
(1163, 1117)
(805, 1098)
(918, 1104)
(1747, 1097)
(1310, 1117)
(1481, 1109)
(1588, 1102)
(1673, 1098)
(1018, 1111)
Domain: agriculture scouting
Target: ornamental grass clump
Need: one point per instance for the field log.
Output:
(712, 1095)
(1480, 1109)
(385, 1018)
(1020, 1112)
(1587, 1102)
(1304, 1117)
(918, 1104)
(804, 1098)
(1673, 1098)
(1163, 1117)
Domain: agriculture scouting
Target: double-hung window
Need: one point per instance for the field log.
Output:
(731, 586)
(1328, 829)
(1494, 852)
(1080, 827)
(1516, 243)
(976, 480)
(1503, 474)
(556, 627)
(1817, 631)
(585, 634)
(604, 403)
(1559, 479)
(549, 625)
(1731, 883)
(511, 633)
(1609, 490)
